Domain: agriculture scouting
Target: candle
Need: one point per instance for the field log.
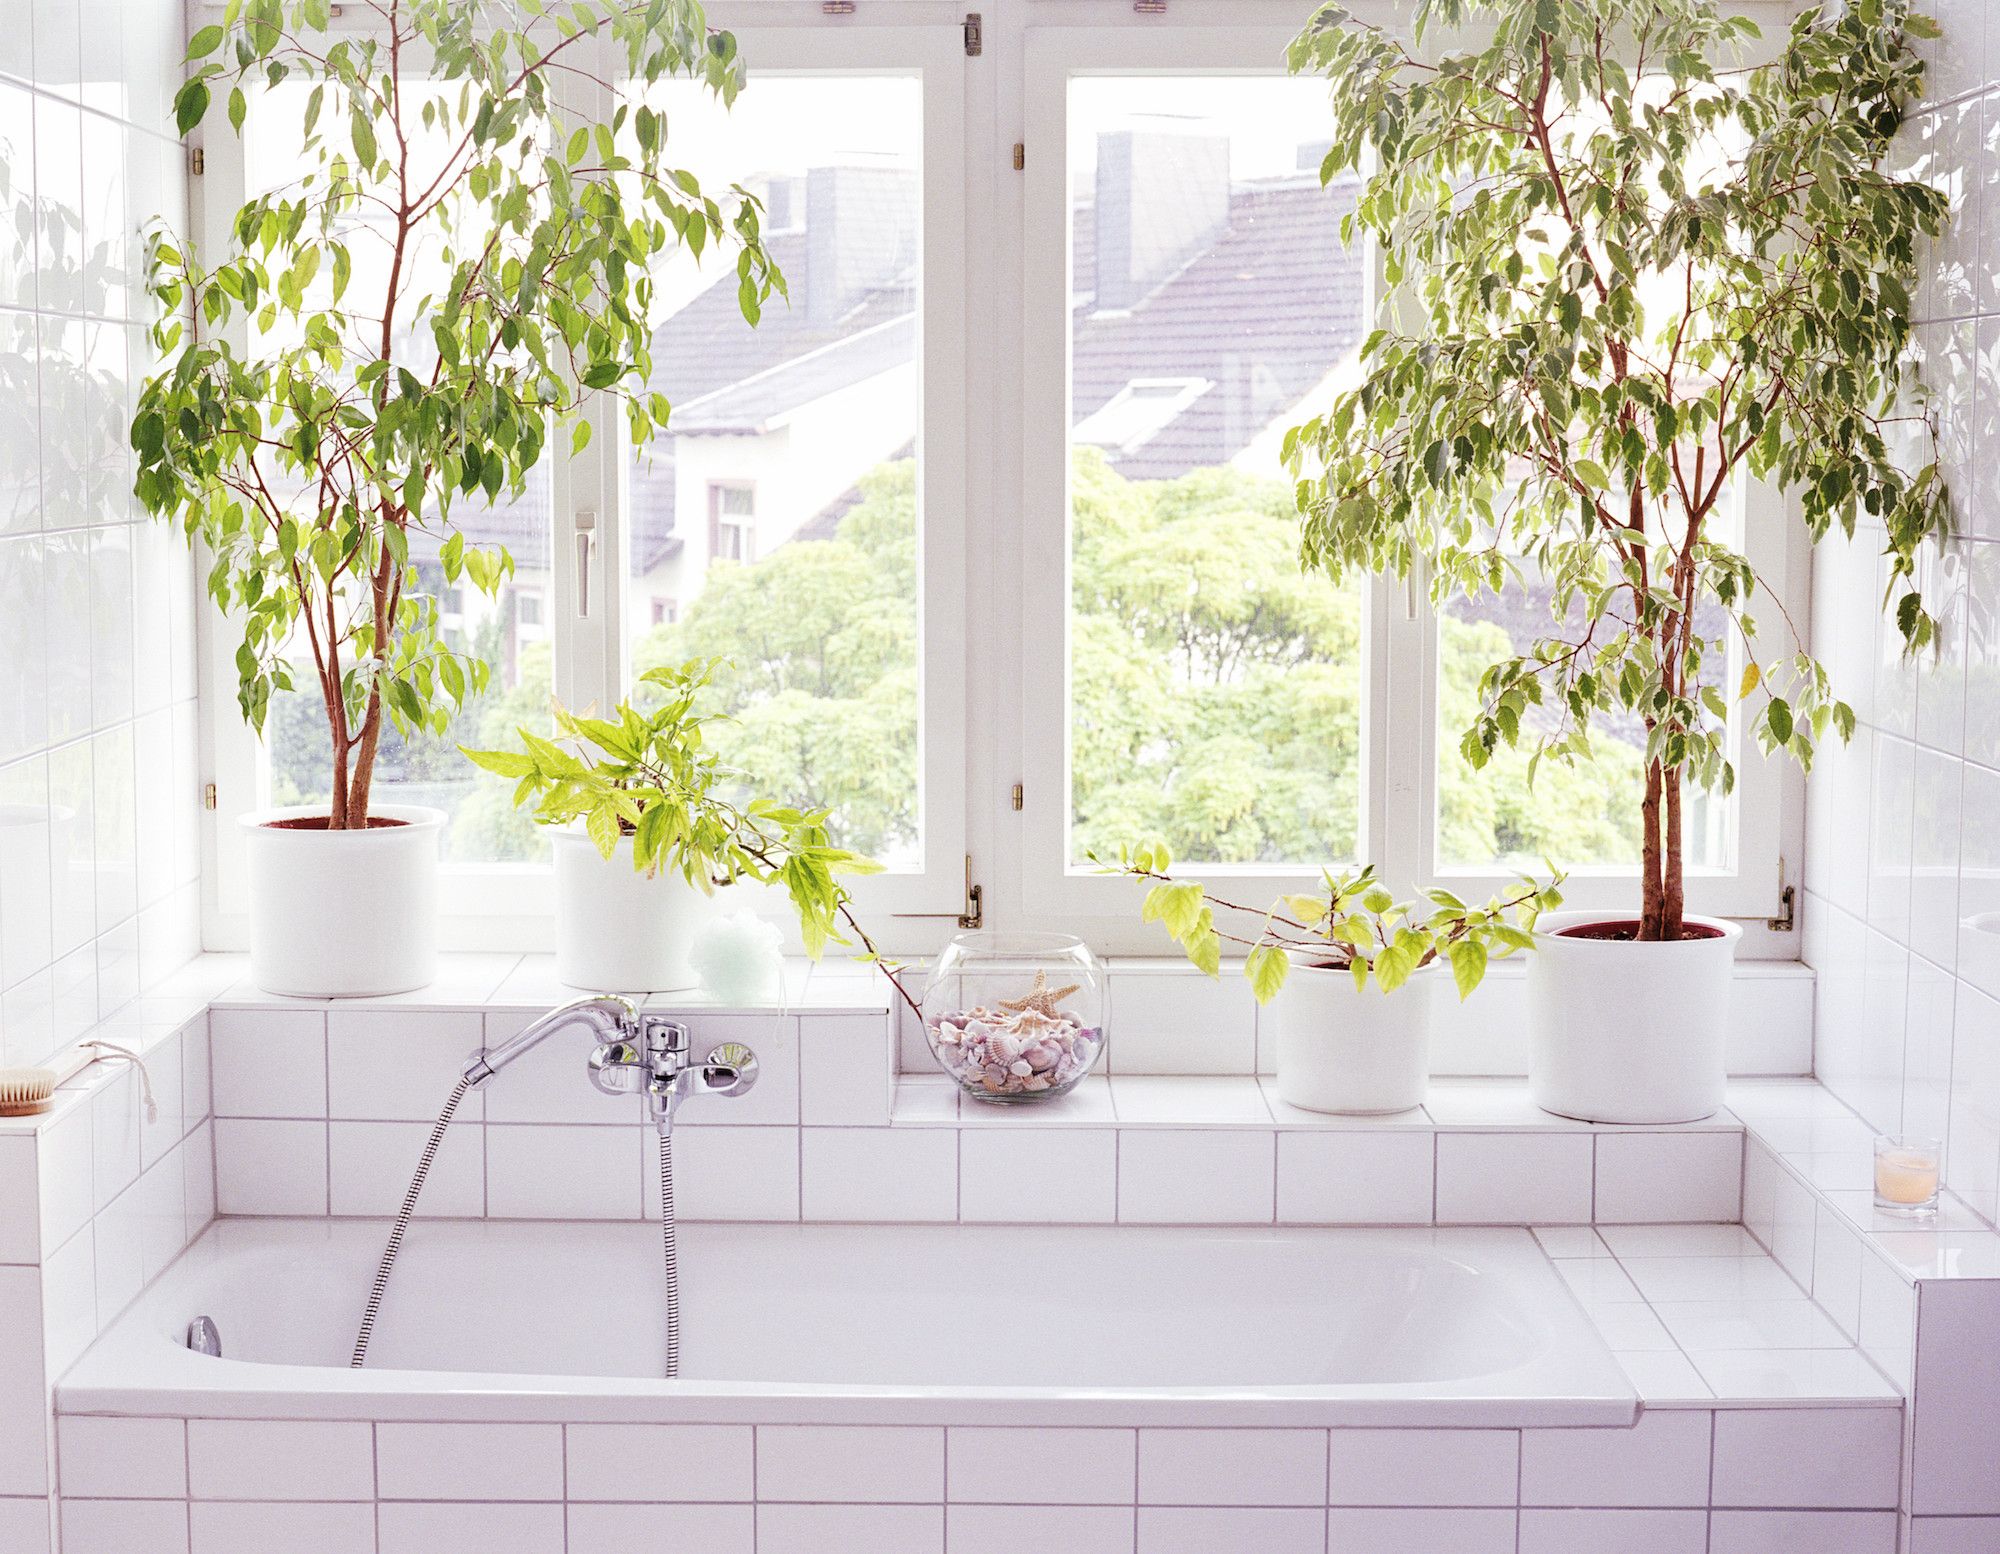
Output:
(1906, 1174)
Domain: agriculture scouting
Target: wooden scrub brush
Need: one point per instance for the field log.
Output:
(26, 1091)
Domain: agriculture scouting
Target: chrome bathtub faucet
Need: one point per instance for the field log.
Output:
(634, 1053)
(658, 1061)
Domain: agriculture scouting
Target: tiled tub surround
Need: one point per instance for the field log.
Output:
(1737, 1337)
(97, 1199)
(1683, 1481)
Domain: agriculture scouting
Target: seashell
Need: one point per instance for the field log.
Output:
(1021, 1068)
(1006, 1046)
(1035, 1082)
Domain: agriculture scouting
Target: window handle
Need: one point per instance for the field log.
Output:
(586, 540)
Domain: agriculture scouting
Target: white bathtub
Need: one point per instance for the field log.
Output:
(940, 1324)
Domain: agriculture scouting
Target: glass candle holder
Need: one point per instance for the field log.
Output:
(1906, 1175)
(1015, 1017)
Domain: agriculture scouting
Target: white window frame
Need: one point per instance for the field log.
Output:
(1399, 736)
(993, 542)
(510, 906)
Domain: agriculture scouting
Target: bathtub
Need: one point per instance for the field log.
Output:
(832, 1324)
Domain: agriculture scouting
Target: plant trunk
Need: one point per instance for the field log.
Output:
(1652, 870)
(1672, 880)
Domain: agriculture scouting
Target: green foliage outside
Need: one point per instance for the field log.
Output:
(1217, 693)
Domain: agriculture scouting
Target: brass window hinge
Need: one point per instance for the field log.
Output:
(975, 35)
(197, 161)
(1788, 907)
(208, 795)
(1020, 156)
(1017, 795)
(974, 911)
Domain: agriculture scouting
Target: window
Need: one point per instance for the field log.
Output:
(987, 518)
(732, 522)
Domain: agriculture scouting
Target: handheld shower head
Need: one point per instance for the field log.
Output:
(607, 1016)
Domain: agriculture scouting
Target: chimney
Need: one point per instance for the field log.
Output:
(1162, 198)
(861, 234)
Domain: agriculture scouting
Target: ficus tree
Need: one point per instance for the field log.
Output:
(1629, 274)
(459, 265)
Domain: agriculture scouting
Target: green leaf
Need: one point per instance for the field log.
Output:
(205, 42)
(190, 103)
(1266, 966)
(1468, 966)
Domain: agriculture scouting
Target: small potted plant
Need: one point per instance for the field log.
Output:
(649, 826)
(458, 268)
(1619, 302)
(1313, 958)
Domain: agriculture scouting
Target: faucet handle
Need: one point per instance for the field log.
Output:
(730, 1069)
(619, 1067)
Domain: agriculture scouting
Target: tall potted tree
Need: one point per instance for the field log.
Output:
(458, 268)
(1629, 275)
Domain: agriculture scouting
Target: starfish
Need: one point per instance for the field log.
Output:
(1042, 998)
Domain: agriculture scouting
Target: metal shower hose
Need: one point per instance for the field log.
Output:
(409, 1208)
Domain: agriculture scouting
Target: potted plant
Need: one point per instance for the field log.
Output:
(1313, 957)
(649, 829)
(1630, 277)
(458, 270)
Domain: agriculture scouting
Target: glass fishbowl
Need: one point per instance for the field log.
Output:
(1016, 1017)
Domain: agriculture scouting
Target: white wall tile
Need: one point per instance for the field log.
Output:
(23, 1410)
(1174, 1020)
(637, 1529)
(256, 1459)
(1197, 1177)
(1662, 1460)
(1032, 1175)
(69, 1302)
(401, 1065)
(369, 1166)
(247, 1527)
(269, 1167)
(469, 1461)
(1836, 1281)
(122, 1459)
(66, 1152)
(124, 1526)
(880, 1465)
(1952, 1409)
(418, 1527)
(1888, 1319)
(847, 1069)
(1424, 1467)
(1419, 1531)
(269, 1062)
(563, 1172)
(1613, 1532)
(847, 1529)
(1954, 1535)
(1066, 1466)
(1513, 1178)
(879, 1173)
(1232, 1467)
(706, 1462)
(1802, 1532)
(24, 1524)
(1370, 1177)
(1829, 1458)
(1236, 1529)
(729, 1174)
(1009, 1529)
(1688, 1177)
(20, 1200)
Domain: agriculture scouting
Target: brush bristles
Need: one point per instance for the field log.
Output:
(25, 1091)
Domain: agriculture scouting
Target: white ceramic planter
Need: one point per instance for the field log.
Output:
(343, 914)
(618, 931)
(1625, 1032)
(1358, 1051)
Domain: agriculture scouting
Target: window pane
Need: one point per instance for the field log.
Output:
(1214, 691)
(507, 629)
(774, 522)
(1583, 816)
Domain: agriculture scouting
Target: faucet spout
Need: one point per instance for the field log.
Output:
(607, 1017)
